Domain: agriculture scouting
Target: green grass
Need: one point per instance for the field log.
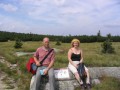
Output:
(107, 83)
(91, 52)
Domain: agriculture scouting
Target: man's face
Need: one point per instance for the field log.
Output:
(46, 42)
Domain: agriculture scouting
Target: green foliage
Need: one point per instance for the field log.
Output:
(18, 43)
(5, 36)
(58, 43)
(107, 47)
(99, 34)
(99, 37)
(109, 36)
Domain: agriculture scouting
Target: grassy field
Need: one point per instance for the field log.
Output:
(92, 57)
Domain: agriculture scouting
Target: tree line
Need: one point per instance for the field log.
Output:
(12, 36)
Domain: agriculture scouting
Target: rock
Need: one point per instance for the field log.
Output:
(60, 84)
(13, 66)
(96, 72)
(31, 53)
(24, 53)
(2, 57)
(2, 60)
(58, 50)
(95, 81)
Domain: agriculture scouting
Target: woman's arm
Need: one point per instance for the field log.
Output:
(81, 60)
(69, 58)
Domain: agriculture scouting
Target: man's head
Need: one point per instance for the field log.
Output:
(46, 42)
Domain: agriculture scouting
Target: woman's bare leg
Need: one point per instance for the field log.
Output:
(88, 76)
(78, 78)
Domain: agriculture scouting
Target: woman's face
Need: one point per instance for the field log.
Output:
(75, 44)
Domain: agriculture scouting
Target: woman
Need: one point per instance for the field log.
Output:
(75, 56)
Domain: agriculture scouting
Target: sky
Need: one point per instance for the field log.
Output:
(61, 17)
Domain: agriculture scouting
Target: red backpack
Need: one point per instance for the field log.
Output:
(29, 67)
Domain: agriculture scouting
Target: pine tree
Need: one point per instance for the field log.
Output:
(18, 43)
(107, 45)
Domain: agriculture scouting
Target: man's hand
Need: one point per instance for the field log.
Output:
(38, 63)
(46, 71)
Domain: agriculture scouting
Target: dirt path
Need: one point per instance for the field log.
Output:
(6, 83)
(2, 85)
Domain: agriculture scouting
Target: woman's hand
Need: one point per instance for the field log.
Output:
(81, 61)
(76, 65)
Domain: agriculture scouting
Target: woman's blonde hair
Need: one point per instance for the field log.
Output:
(75, 40)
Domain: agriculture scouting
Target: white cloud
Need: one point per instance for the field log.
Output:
(37, 11)
(72, 10)
(59, 2)
(69, 14)
(33, 2)
(9, 24)
(8, 7)
(39, 2)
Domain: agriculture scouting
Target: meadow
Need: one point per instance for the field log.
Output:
(91, 53)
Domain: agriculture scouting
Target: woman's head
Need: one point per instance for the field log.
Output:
(75, 43)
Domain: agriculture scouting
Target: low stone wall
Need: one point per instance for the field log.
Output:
(66, 84)
(71, 84)
(96, 72)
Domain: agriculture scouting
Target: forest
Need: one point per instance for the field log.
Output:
(12, 36)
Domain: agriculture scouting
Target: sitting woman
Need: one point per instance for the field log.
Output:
(75, 56)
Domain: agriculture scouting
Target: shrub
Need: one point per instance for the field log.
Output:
(107, 47)
(18, 43)
(58, 43)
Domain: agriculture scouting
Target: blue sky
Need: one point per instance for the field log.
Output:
(60, 17)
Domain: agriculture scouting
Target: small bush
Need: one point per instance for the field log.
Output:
(107, 47)
(18, 43)
(58, 43)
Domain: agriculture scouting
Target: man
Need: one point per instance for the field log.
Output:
(48, 63)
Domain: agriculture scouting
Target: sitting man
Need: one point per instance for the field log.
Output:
(40, 53)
